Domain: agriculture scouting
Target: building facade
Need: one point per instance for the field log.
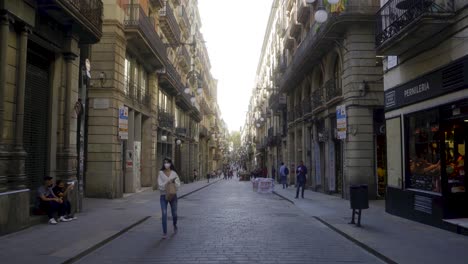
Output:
(426, 110)
(156, 69)
(43, 50)
(319, 96)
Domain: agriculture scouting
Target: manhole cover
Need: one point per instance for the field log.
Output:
(285, 215)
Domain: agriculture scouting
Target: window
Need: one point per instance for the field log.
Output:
(126, 75)
(423, 151)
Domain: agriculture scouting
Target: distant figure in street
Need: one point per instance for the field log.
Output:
(195, 174)
(168, 174)
(301, 178)
(62, 192)
(284, 172)
(50, 203)
(208, 177)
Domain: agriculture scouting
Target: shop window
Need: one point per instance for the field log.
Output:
(423, 151)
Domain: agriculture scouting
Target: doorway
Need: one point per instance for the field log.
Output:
(455, 138)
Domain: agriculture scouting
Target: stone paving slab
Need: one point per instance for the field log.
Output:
(101, 219)
(398, 239)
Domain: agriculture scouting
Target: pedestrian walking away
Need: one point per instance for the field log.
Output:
(168, 176)
(284, 172)
(301, 179)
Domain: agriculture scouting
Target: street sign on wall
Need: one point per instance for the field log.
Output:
(341, 121)
(123, 122)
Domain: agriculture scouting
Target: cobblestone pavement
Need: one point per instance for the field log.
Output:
(229, 223)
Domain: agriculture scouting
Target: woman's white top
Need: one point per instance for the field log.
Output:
(163, 180)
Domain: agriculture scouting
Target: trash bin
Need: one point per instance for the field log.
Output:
(359, 196)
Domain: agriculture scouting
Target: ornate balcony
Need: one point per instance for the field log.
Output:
(321, 37)
(142, 37)
(185, 20)
(86, 15)
(294, 25)
(331, 89)
(317, 98)
(169, 24)
(397, 20)
(165, 119)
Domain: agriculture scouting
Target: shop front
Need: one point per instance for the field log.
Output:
(427, 121)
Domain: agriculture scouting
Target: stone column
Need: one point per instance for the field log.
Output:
(20, 155)
(67, 156)
(4, 31)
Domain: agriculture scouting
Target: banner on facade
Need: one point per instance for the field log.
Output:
(123, 122)
(341, 121)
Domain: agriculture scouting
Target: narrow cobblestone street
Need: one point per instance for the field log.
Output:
(228, 223)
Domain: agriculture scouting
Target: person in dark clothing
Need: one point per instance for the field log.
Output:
(49, 202)
(62, 192)
(301, 178)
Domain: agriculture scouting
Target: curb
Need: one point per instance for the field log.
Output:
(121, 232)
(357, 242)
(284, 197)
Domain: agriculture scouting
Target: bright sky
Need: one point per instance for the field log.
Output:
(234, 31)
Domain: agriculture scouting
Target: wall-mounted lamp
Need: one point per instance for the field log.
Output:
(102, 78)
(178, 142)
(258, 125)
(164, 138)
(187, 90)
(193, 99)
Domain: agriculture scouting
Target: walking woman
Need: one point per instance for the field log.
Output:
(168, 174)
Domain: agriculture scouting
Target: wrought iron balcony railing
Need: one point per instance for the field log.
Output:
(184, 56)
(396, 15)
(91, 10)
(203, 131)
(169, 23)
(332, 89)
(136, 18)
(165, 119)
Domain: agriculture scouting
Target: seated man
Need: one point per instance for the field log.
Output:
(49, 202)
(61, 192)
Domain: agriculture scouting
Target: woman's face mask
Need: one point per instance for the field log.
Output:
(167, 165)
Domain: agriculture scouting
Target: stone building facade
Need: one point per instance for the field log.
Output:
(310, 70)
(156, 69)
(43, 48)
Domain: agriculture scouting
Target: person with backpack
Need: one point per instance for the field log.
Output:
(284, 172)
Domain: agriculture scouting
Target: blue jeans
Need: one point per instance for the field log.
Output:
(164, 203)
(299, 185)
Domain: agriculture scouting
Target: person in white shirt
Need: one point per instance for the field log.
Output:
(168, 174)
